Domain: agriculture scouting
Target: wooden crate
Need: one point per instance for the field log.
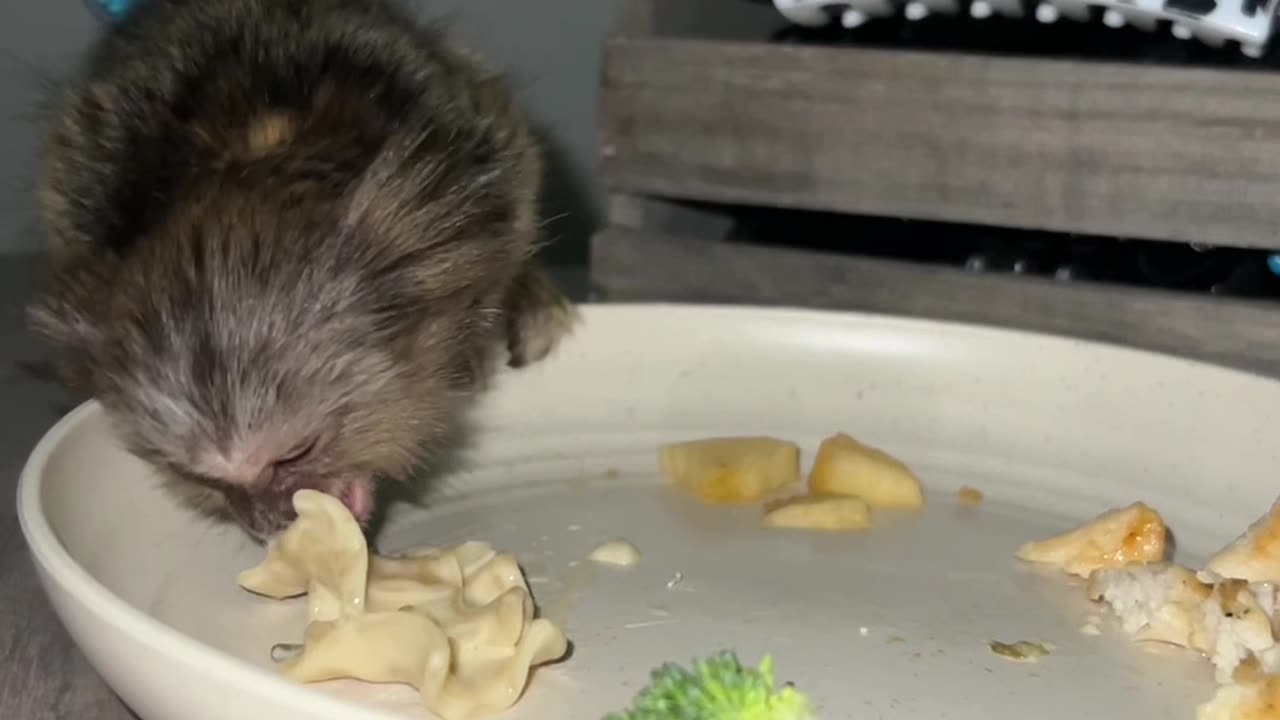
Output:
(1162, 153)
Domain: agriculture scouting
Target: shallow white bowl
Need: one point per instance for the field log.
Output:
(893, 622)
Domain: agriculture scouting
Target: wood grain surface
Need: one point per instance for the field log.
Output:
(1111, 149)
(632, 265)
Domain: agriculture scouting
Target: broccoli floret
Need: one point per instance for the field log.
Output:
(717, 688)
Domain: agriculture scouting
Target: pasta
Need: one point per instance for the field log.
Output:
(458, 623)
(322, 555)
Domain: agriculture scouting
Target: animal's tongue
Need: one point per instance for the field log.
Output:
(357, 495)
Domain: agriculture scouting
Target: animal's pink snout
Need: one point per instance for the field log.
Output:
(267, 509)
(260, 485)
(248, 471)
(252, 476)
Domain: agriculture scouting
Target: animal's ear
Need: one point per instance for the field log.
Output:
(438, 218)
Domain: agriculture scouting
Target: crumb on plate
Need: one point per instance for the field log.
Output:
(616, 552)
(1021, 651)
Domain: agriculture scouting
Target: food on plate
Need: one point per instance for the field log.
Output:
(616, 552)
(1231, 621)
(1256, 698)
(731, 469)
(1160, 602)
(969, 496)
(457, 623)
(844, 466)
(1021, 651)
(1229, 612)
(1132, 534)
(1240, 618)
(717, 688)
(1255, 555)
(394, 646)
(322, 556)
(818, 512)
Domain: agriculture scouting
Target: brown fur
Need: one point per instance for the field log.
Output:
(302, 226)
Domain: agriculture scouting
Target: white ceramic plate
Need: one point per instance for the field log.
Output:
(890, 623)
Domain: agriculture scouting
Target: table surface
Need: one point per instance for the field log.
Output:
(42, 673)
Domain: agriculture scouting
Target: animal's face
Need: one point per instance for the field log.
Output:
(242, 418)
(240, 438)
(248, 372)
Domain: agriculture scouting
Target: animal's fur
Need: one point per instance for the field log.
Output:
(289, 228)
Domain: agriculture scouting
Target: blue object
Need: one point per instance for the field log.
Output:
(113, 9)
(1273, 263)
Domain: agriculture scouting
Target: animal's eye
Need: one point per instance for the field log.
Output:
(196, 478)
(299, 452)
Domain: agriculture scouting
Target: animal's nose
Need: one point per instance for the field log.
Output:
(266, 476)
(251, 477)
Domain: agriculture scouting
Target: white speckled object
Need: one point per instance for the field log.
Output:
(890, 622)
(1212, 22)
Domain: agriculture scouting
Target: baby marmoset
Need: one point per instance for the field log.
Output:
(289, 240)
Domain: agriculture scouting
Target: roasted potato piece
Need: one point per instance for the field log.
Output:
(845, 466)
(731, 469)
(819, 512)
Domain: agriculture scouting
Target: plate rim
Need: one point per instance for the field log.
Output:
(98, 600)
(923, 322)
(56, 561)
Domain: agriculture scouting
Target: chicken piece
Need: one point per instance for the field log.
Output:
(1229, 620)
(1255, 555)
(1253, 699)
(1158, 602)
(1133, 534)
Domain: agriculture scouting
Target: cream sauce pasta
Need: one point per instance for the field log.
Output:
(457, 623)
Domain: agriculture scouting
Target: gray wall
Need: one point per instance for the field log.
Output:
(550, 47)
(37, 40)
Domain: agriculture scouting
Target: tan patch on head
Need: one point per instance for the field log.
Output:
(270, 131)
(266, 133)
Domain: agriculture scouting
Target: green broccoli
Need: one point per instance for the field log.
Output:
(718, 688)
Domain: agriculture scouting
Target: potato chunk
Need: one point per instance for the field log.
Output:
(1133, 534)
(819, 512)
(731, 469)
(845, 466)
